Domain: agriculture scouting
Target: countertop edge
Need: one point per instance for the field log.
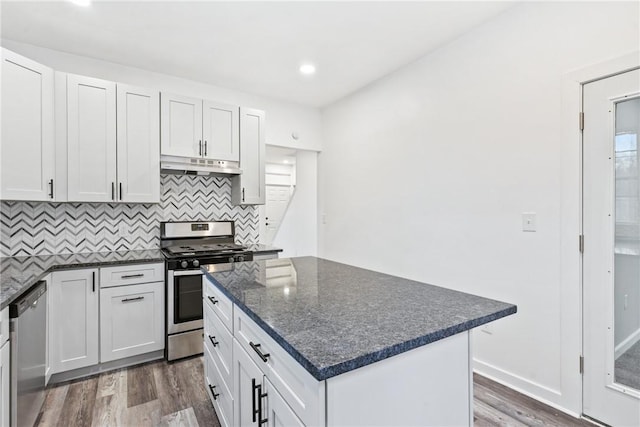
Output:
(57, 267)
(327, 372)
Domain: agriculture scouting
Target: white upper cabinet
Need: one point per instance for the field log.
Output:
(91, 139)
(192, 127)
(248, 188)
(181, 131)
(138, 151)
(112, 142)
(27, 148)
(220, 131)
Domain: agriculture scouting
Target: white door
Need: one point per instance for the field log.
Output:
(247, 384)
(74, 319)
(181, 125)
(220, 131)
(278, 413)
(27, 145)
(248, 188)
(277, 200)
(91, 139)
(611, 260)
(138, 118)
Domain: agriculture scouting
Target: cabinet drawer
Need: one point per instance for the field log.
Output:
(220, 342)
(219, 302)
(131, 274)
(4, 325)
(223, 402)
(303, 393)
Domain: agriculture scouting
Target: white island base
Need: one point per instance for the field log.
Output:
(431, 385)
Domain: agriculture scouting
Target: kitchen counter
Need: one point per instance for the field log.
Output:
(333, 318)
(17, 274)
(259, 248)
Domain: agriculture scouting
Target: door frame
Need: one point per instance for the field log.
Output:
(571, 277)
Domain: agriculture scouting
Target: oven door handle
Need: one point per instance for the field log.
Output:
(187, 273)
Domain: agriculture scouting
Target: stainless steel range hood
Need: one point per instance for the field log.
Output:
(198, 166)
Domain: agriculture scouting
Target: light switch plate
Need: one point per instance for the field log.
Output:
(529, 221)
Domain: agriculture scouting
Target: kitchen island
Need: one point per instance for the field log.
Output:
(315, 342)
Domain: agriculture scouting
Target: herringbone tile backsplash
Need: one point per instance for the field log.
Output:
(43, 228)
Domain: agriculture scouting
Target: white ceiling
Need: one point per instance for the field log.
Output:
(255, 47)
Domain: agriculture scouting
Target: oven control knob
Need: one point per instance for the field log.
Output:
(240, 258)
(184, 264)
(231, 259)
(196, 263)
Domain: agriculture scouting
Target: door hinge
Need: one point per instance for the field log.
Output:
(581, 120)
(582, 364)
(581, 243)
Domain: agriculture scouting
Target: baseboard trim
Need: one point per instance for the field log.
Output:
(539, 392)
(105, 367)
(629, 342)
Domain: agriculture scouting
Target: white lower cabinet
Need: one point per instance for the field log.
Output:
(219, 391)
(131, 320)
(106, 314)
(264, 393)
(278, 413)
(74, 319)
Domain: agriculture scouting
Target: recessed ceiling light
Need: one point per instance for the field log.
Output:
(307, 69)
(84, 3)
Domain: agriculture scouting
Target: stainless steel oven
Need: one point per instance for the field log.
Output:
(187, 246)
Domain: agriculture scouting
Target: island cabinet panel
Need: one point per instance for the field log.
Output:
(219, 304)
(432, 383)
(302, 392)
(221, 341)
(219, 392)
(279, 414)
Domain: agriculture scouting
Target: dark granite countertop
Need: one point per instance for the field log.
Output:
(333, 318)
(18, 274)
(259, 248)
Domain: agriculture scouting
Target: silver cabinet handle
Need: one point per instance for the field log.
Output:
(120, 191)
(243, 194)
(113, 191)
(131, 276)
(205, 147)
(132, 299)
(51, 187)
(200, 147)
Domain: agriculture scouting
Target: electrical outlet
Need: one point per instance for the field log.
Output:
(529, 222)
(324, 218)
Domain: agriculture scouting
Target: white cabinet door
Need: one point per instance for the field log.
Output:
(27, 146)
(5, 390)
(247, 379)
(131, 320)
(220, 131)
(91, 139)
(138, 118)
(248, 188)
(181, 126)
(279, 414)
(74, 319)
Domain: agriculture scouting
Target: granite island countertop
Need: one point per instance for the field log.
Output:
(333, 318)
(18, 274)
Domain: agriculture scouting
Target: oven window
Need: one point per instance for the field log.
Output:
(187, 298)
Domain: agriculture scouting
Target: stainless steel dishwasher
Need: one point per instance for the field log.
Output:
(28, 316)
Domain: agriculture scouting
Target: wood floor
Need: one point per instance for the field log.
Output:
(163, 394)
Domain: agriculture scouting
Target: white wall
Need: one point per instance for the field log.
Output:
(283, 118)
(426, 172)
(298, 233)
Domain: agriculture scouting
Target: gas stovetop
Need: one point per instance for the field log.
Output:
(202, 249)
